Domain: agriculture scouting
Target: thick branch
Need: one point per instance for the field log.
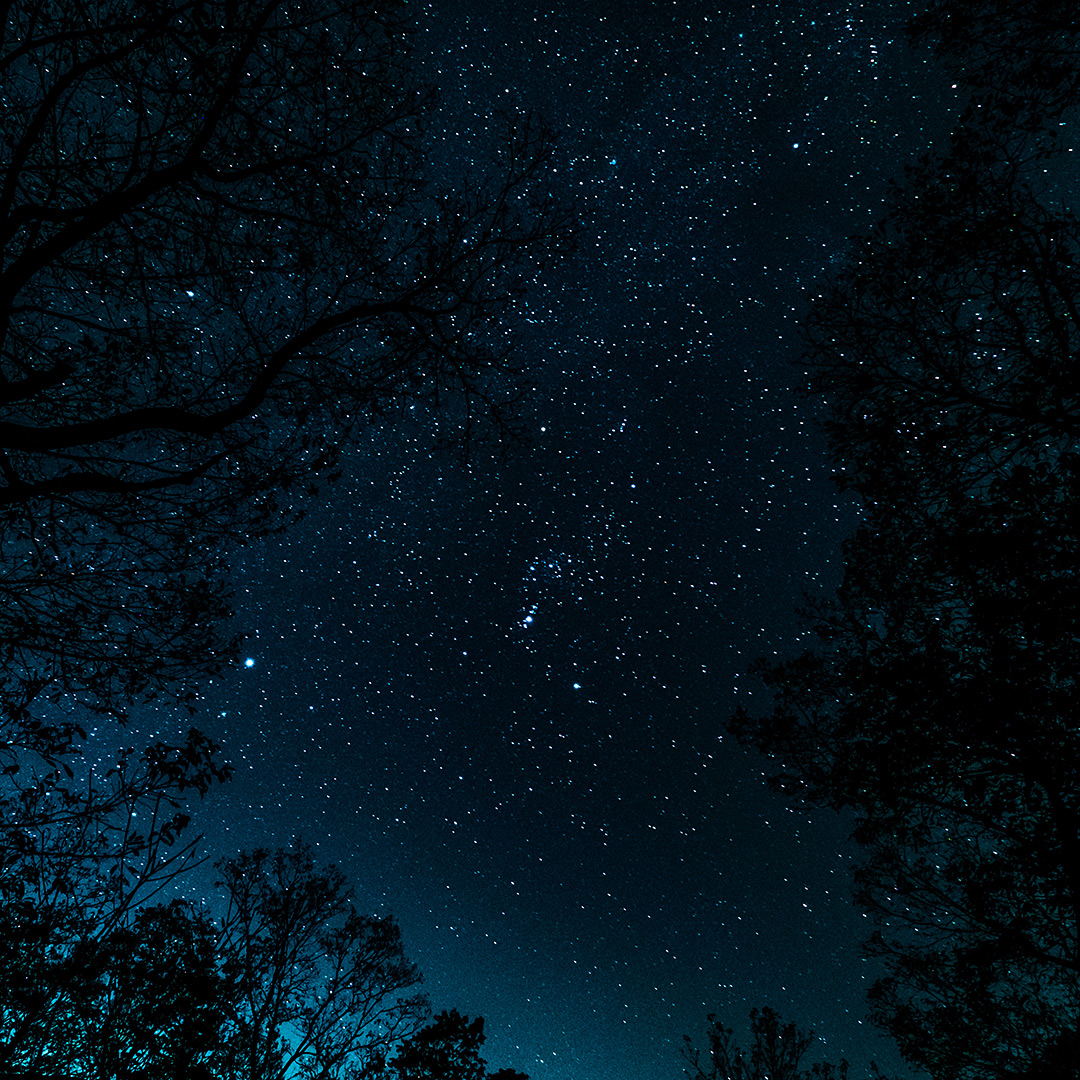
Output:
(176, 418)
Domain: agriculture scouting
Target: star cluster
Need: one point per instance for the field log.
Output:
(493, 688)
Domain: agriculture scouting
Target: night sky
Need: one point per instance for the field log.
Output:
(493, 690)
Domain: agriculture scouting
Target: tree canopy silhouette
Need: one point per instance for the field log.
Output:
(939, 701)
(1020, 53)
(88, 971)
(283, 978)
(223, 249)
(448, 1048)
(777, 1051)
(291, 980)
(226, 245)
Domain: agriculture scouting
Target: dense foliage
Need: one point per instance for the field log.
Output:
(280, 976)
(777, 1051)
(222, 251)
(939, 702)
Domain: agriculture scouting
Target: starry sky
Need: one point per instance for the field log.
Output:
(493, 689)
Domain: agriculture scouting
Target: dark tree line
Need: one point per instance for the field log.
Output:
(224, 251)
(777, 1051)
(289, 979)
(939, 702)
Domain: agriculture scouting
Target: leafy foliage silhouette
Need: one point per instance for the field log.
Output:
(79, 856)
(938, 703)
(225, 250)
(777, 1051)
(222, 253)
(285, 978)
(447, 1049)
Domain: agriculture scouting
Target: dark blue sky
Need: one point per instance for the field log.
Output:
(494, 691)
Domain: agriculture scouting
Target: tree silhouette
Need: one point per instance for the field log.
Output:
(939, 700)
(316, 987)
(286, 979)
(1022, 53)
(776, 1052)
(158, 1011)
(224, 249)
(86, 978)
(447, 1049)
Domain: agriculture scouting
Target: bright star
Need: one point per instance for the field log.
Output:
(249, 662)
